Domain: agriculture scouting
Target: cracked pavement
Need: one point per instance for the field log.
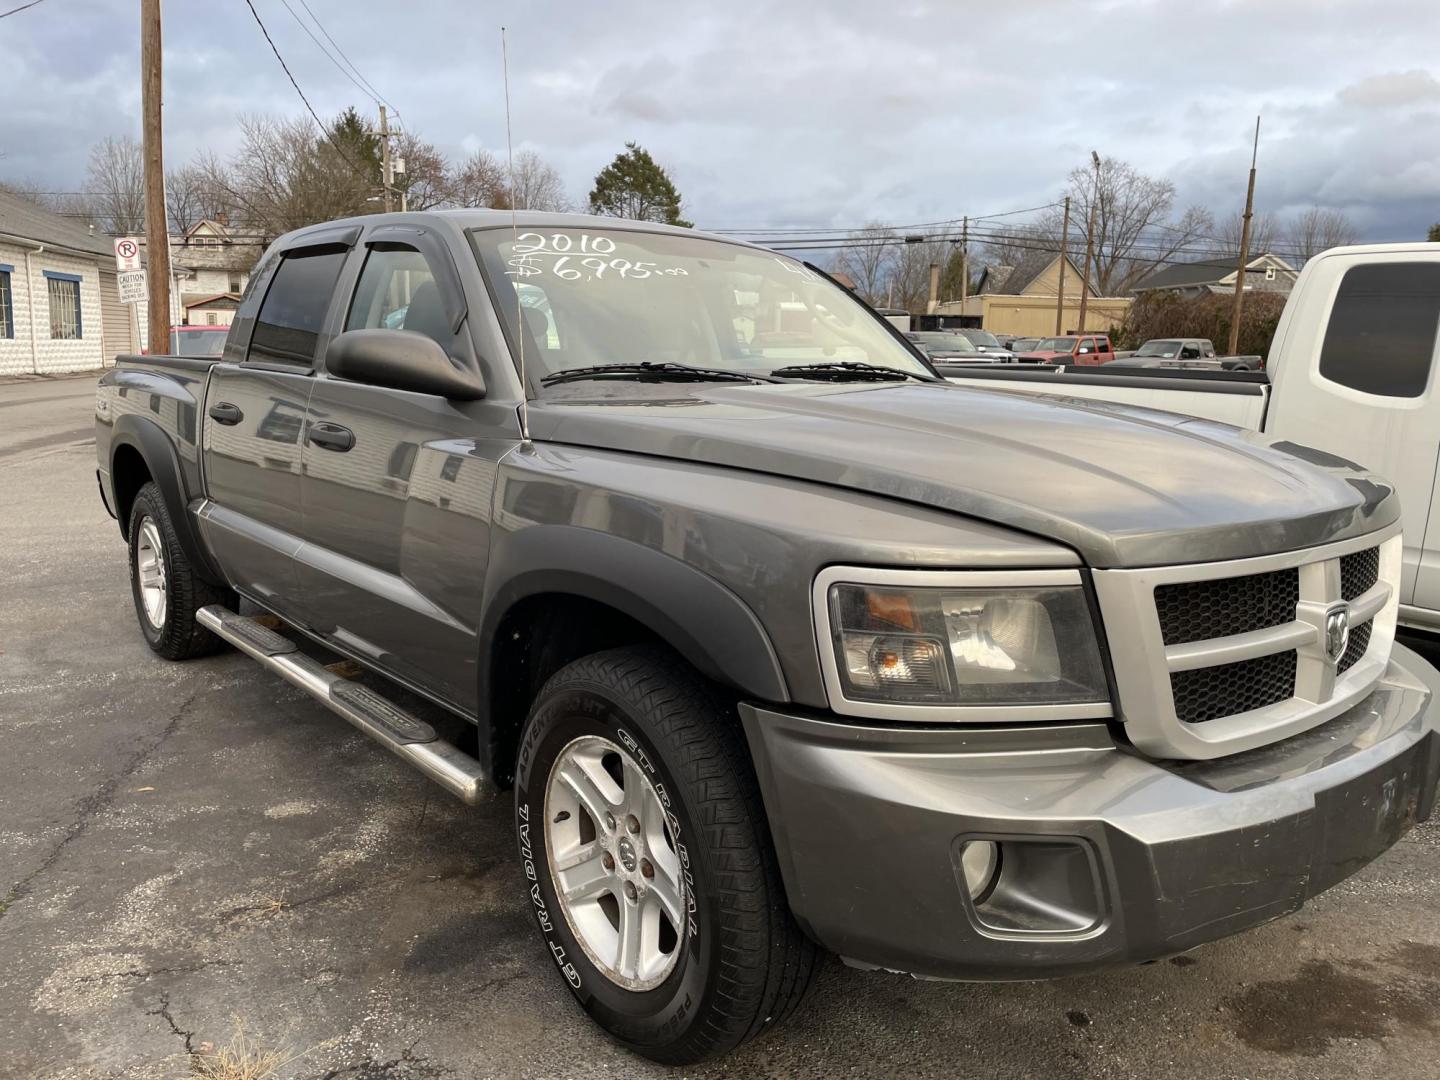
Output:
(188, 847)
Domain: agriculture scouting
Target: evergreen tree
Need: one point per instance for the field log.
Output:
(1434, 235)
(634, 186)
(360, 149)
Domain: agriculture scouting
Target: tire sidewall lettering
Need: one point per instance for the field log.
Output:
(593, 988)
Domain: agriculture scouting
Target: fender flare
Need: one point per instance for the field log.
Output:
(693, 613)
(157, 450)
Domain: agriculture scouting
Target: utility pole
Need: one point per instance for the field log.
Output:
(1244, 247)
(157, 238)
(964, 263)
(1089, 242)
(385, 175)
(1064, 258)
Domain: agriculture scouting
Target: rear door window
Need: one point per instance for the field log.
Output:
(288, 326)
(1381, 334)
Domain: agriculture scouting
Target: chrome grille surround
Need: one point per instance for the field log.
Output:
(1142, 661)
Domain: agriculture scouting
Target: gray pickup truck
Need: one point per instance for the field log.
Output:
(784, 644)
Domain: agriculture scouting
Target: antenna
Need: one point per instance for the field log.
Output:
(514, 239)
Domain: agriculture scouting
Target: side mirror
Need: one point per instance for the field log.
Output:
(401, 360)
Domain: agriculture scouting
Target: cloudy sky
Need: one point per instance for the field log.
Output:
(801, 112)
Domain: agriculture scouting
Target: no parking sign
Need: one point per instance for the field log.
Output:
(127, 253)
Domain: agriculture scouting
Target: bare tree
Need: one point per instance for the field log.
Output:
(479, 180)
(115, 185)
(910, 272)
(1134, 231)
(1264, 234)
(188, 198)
(426, 180)
(1318, 228)
(537, 185)
(287, 175)
(868, 259)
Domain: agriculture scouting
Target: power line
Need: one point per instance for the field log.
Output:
(311, 34)
(378, 96)
(323, 129)
(22, 7)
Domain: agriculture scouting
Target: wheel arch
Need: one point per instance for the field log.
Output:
(141, 451)
(555, 593)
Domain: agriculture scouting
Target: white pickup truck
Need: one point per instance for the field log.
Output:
(1351, 376)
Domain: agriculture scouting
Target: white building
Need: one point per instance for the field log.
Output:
(60, 306)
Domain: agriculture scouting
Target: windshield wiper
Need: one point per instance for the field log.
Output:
(845, 369)
(664, 370)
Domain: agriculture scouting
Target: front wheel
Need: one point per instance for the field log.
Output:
(648, 858)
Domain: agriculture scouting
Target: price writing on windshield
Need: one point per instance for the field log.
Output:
(579, 258)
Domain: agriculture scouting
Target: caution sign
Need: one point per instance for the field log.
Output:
(127, 253)
(132, 286)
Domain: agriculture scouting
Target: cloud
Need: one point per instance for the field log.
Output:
(1394, 89)
(782, 112)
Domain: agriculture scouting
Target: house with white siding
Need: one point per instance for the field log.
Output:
(60, 306)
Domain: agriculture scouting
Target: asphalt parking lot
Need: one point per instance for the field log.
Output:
(190, 848)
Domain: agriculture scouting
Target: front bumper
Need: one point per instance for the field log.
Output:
(1112, 858)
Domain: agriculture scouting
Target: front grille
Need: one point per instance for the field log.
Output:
(1200, 610)
(1359, 642)
(1187, 688)
(1208, 693)
(1359, 572)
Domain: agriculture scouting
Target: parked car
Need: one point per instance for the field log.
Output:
(1084, 349)
(945, 345)
(1350, 375)
(1177, 349)
(781, 655)
(986, 343)
(1022, 345)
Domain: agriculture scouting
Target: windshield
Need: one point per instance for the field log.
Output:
(198, 342)
(588, 297)
(1056, 344)
(982, 337)
(1159, 348)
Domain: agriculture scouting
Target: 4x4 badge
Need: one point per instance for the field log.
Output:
(1337, 632)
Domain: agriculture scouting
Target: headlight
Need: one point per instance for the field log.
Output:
(1010, 644)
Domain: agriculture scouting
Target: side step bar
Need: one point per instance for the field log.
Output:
(404, 735)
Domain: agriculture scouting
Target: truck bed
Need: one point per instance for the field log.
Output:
(1231, 397)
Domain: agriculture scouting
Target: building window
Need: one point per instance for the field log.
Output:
(235, 285)
(7, 309)
(64, 290)
(210, 318)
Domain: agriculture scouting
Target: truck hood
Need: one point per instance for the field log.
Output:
(1122, 486)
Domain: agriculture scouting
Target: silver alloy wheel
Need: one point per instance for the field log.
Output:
(614, 863)
(150, 572)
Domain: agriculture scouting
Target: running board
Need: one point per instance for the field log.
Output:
(403, 735)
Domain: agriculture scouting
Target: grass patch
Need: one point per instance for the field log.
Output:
(242, 1058)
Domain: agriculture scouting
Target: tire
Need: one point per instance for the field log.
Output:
(740, 963)
(172, 630)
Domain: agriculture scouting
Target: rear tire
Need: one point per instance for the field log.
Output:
(669, 742)
(166, 590)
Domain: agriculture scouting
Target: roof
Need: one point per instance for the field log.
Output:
(190, 300)
(21, 217)
(1211, 271)
(522, 219)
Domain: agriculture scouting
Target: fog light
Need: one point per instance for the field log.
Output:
(979, 859)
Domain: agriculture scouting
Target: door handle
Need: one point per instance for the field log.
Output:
(332, 436)
(222, 412)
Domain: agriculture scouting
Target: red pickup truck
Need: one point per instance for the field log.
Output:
(1071, 349)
